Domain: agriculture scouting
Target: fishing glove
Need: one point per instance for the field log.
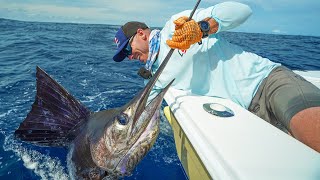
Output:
(186, 33)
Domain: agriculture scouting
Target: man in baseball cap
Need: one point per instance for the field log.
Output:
(122, 38)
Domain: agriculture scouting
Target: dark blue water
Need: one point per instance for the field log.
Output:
(79, 57)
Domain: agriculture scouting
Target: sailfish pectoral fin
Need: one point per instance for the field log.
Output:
(55, 114)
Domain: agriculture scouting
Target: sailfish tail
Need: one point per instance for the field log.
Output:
(55, 115)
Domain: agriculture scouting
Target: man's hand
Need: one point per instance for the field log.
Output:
(186, 33)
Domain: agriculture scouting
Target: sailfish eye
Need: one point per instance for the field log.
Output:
(122, 119)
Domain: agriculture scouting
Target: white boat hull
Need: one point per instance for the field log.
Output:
(242, 146)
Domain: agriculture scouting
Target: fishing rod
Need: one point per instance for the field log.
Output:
(147, 74)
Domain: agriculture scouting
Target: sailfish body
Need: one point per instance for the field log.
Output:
(104, 144)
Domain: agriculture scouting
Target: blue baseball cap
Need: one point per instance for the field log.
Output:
(123, 36)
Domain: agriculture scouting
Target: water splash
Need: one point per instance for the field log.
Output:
(42, 165)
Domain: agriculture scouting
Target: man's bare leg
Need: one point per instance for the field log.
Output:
(305, 126)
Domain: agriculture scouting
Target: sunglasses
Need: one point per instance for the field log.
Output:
(128, 49)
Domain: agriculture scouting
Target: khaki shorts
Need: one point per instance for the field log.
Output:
(282, 95)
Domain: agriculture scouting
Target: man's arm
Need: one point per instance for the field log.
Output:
(228, 14)
(221, 17)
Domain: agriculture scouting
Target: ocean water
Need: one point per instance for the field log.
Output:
(79, 57)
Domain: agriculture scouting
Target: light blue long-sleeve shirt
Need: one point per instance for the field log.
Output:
(216, 67)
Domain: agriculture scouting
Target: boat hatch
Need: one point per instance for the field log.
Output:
(218, 109)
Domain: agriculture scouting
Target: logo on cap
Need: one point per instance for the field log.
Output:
(117, 42)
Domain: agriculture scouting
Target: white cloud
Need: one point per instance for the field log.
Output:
(275, 4)
(95, 11)
(278, 31)
(270, 14)
(54, 12)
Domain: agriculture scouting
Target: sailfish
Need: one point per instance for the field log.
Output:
(102, 145)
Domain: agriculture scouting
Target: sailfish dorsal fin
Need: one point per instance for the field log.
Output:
(54, 114)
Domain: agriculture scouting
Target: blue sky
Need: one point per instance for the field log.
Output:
(294, 17)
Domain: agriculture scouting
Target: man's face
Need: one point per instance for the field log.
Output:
(140, 46)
